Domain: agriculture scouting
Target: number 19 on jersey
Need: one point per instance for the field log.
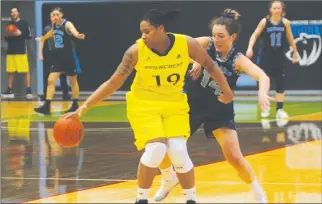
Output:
(172, 78)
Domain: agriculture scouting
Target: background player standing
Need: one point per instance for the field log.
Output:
(274, 30)
(48, 62)
(63, 57)
(17, 58)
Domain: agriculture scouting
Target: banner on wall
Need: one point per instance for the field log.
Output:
(307, 36)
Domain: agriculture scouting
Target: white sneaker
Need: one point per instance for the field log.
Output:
(29, 96)
(265, 113)
(281, 114)
(265, 124)
(8, 94)
(262, 200)
(260, 197)
(165, 188)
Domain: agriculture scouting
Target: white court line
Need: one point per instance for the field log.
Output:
(200, 182)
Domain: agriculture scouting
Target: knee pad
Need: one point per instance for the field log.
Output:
(154, 154)
(178, 154)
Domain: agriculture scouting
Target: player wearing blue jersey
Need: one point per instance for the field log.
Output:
(206, 106)
(274, 31)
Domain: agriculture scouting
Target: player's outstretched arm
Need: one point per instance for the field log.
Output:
(71, 28)
(49, 34)
(114, 83)
(245, 65)
(199, 54)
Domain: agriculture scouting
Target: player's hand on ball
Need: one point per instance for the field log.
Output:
(249, 53)
(195, 71)
(223, 98)
(79, 112)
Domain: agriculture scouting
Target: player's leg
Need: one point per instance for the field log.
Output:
(71, 72)
(178, 154)
(75, 92)
(46, 72)
(52, 78)
(23, 67)
(10, 79)
(154, 152)
(177, 113)
(169, 177)
(28, 87)
(228, 140)
(280, 87)
(64, 86)
(11, 69)
(146, 122)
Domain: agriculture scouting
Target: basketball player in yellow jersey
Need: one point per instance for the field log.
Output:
(156, 106)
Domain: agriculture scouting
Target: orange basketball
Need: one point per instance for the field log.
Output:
(11, 28)
(68, 132)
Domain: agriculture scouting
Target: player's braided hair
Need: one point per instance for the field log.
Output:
(156, 17)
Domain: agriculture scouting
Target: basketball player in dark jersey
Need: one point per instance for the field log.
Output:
(274, 31)
(47, 62)
(206, 108)
(63, 56)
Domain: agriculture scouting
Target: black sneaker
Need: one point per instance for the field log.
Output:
(73, 108)
(8, 94)
(42, 98)
(141, 201)
(191, 202)
(44, 109)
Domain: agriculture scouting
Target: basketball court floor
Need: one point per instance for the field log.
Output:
(286, 157)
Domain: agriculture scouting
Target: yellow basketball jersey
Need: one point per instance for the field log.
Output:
(161, 78)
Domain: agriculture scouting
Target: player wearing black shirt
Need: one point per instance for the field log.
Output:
(63, 59)
(48, 61)
(207, 107)
(274, 30)
(17, 58)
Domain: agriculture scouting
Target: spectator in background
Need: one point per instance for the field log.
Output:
(48, 62)
(17, 59)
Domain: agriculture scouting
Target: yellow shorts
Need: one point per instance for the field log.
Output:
(17, 63)
(153, 119)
